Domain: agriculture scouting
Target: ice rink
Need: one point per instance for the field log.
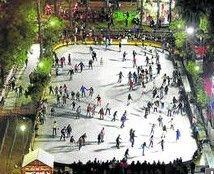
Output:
(103, 78)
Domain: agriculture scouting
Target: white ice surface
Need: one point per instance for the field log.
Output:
(104, 81)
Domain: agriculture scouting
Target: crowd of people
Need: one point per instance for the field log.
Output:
(139, 78)
(121, 167)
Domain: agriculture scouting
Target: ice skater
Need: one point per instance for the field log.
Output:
(108, 109)
(101, 112)
(151, 141)
(88, 110)
(143, 146)
(178, 134)
(123, 119)
(78, 112)
(83, 90)
(70, 73)
(124, 56)
(129, 99)
(120, 77)
(152, 129)
(63, 133)
(118, 142)
(126, 154)
(114, 116)
(98, 100)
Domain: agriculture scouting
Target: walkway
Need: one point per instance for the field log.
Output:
(22, 77)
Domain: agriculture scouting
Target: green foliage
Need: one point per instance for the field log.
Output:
(177, 25)
(192, 68)
(55, 23)
(202, 97)
(180, 39)
(52, 33)
(18, 31)
(204, 24)
(45, 65)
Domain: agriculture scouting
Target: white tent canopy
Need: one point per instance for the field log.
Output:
(39, 155)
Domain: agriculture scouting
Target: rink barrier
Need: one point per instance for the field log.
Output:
(113, 42)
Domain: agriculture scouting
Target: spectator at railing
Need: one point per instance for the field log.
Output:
(117, 167)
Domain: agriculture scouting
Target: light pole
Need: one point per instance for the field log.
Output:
(23, 128)
(190, 31)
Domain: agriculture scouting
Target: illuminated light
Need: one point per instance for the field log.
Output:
(190, 30)
(22, 128)
(41, 65)
(197, 68)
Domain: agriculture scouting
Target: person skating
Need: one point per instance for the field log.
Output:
(164, 131)
(160, 121)
(123, 119)
(118, 142)
(120, 45)
(178, 134)
(131, 85)
(93, 110)
(126, 154)
(114, 116)
(108, 109)
(88, 110)
(147, 60)
(98, 100)
(68, 130)
(72, 139)
(134, 62)
(151, 141)
(91, 91)
(158, 68)
(69, 59)
(78, 112)
(84, 136)
(132, 138)
(94, 55)
(162, 144)
(81, 66)
(70, 73)
(124, 56)
(91, 49)
(76, 68)
(102, 133)
(63, 130)
(99, 138)
(90, 64)
(64, 99)
(58, 99)
(152, 129)
(83, 90)
(54, 129)
(135, 77)
(72, 95)
(129, 99)
(80, 142)
(73, 104)
(120, 77)
(101, 112)
(143, 146)
(171, 124)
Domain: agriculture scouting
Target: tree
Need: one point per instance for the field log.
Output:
(18, 31)
(191, 10)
